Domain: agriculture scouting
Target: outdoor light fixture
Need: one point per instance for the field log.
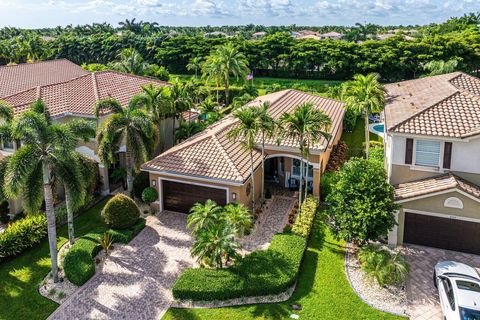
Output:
(234, 196)
(154, 183)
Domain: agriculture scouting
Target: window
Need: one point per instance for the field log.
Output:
(449, 292)
(427, 153)
(7, 144)
(296, 169)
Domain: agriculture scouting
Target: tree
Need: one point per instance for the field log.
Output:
(6, 115)
(227, 61)
(238, 216)
(131, 61)
(305, 124)
(203, 216)
(130, 125)
(31, 168)
(245, 131)
(180, 100)
(187, 129)
(195, 64)
(266, 125)
(365, 94)
(362, 202)
(437, 67)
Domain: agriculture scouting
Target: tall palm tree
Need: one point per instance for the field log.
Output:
(246, 131)
(211, 71)
(31, 168)
(130, 125)
(228, 61)
(365, 94)
(203, 216)
(266, 125)
(180, 100)
(304, 124)
(195, 64)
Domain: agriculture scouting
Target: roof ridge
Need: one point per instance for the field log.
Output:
(35, 62)
(227, 157)
(131, 75)
(95, 86)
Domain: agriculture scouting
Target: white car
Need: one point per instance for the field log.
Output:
(459, 290)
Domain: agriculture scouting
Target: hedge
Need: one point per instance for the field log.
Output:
(304, 222)
(79, 264)
(263, 272)
(21, 235)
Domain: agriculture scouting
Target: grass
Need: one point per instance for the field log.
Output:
(356, 139)
(20, 277)
(323, 290)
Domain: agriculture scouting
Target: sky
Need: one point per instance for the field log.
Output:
(51, 13)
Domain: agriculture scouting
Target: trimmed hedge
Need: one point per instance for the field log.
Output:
(21, 235)
(79, 264)
(263, 272)
(304, 222)
(120, 212)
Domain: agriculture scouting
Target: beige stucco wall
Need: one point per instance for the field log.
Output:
(435, 204)
(403, 173)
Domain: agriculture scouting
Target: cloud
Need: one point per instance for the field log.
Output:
(270, 7)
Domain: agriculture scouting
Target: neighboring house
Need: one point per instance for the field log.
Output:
(69, 92)
(331, 35)
(215, 34)
(385, 36)
(210, 166)
(432, 154)
(259, 35)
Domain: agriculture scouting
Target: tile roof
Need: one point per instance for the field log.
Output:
(446, 105)
(21, 77)
(435, 184)
(79, 95)
(210, 154)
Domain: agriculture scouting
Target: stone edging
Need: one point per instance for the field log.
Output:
(234, 302)
(358, 294)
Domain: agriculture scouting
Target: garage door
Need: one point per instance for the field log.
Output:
(180, 197)
(451, 234)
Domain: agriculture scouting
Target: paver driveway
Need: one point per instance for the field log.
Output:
(423, 303)
(136, 280)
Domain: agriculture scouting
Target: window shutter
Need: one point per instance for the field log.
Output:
(409, 151)
(447, 155)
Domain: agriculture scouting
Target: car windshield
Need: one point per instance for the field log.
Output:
(469, 314)
(468, 285)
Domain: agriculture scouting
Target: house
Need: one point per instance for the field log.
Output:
(432, 155)
(331, 35)
(69, 92)
(215, 34)
(259, 35)
(211, 166)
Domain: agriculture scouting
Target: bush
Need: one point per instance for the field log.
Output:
(61, 214)
(362, 202)
(376, 154)
(21, 235)
(120, 212)
(4, 211)
(263, 272)
(140, 182)
(385, 267)
(149, 195)
(79, 265)
(326, 181)
(350, 120)
(304, 222)
(158, 72)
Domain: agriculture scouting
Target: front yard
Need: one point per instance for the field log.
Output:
(20, 277)
(322, 290)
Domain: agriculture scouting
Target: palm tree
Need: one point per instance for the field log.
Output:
(130, 125)
(6, 114)
(305, 124)
(266, 125)
(211, 71)
(216, 244)
(365, 94)
(131, 61)
(227, 61)
(180, 100)
(45, 147)
(187, 129)
(246, 131)
(195, 64)
(239, 216)
(203, 216)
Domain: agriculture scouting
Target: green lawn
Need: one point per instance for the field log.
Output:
(323, 290)
(20, 277)
(356, 138)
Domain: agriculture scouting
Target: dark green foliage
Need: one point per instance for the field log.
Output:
(120, 212)
(155, 71)
(349, 120)
(362, 202)
(137, 227)
(386, 267)
(304, 221)
(326, 181)
(140, 182)
(121, 235)
(4, 211)
(79, 265)
(118, 174)
(21, 235)
(61, 214)
(149, 195)
(263, 272)
(377, 154)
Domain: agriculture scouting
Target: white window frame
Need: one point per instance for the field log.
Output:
(310, 177)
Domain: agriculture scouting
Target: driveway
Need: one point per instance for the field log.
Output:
(136, 280)
(423, 303)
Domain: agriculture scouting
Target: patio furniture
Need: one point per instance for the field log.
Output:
(375, 118)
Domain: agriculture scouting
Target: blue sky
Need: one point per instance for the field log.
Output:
(47, 13)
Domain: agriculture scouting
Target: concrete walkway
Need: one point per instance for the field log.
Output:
(136, 280)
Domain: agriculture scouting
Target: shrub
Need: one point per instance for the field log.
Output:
(362, 202)
(4, 211)
(140, 182)
(79, 265)
(120, 212)
(149, 195)
(21, 235)
(350, 120)
(61, 214)
(263, 272)
(326, 181)
(385, 267)
(303, 223)
(106, 242)
(376, 154)
(158, 72)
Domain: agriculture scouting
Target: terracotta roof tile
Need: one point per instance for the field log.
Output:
(435, 184)
(21, 77)
(210, 154)
(446, 105)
